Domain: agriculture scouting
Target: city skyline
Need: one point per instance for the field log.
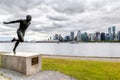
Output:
(111, 35)
(62, 17)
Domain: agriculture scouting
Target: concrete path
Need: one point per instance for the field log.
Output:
(43, 75)
(107, 59)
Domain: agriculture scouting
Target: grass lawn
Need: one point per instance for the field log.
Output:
(84, 69)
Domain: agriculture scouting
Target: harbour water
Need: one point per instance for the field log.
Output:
(80, 49)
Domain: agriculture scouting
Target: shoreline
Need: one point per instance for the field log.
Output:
(65, 42)
(92, 58)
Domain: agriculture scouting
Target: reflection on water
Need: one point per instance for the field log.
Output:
(81, 49)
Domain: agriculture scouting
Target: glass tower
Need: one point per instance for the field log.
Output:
(72, 36)
(113, 29)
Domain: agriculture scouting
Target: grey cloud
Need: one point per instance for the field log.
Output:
(58, 18)
(23, 4)
(46, 28)
(96, 5)
(61, 16)
(69, 6)
(111, 20)
(51, 28)
(19, 8)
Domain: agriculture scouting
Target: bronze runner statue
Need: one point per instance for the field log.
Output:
(24, 23)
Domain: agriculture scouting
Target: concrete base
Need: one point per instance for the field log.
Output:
(25, 63)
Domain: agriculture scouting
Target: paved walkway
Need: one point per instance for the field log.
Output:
(107, 59)
(43, 75)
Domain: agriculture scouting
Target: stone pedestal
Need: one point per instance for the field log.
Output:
(25, 63)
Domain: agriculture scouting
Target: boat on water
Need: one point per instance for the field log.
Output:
(73, 42)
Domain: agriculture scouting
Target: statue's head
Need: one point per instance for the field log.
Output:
(28, 18)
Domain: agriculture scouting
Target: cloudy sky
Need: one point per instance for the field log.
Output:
(59, 16)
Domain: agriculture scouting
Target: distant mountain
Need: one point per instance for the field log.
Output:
(5, 38)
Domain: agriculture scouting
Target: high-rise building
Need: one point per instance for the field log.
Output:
(93, 36)
(102, 36)
(97, 36)
(110, 34)
(118, 35)
(72, 36)
(78, 35)
(109, 30)
(113, 29)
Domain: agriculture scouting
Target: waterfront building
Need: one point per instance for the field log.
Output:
(84, 37)
(107, 37)
(66, 38)
(102, 36)
(113, 30)
(89, 37)
(60, 38)
(56, 37)
(118, 35)
(110, 34)
(93, 36)
(72, 36)
(97, 36)
(109, 30)
(79, 35)
(115, 39)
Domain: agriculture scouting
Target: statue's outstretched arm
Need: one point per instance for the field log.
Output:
(16, 21)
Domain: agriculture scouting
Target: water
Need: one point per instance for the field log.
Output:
(80, 49)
